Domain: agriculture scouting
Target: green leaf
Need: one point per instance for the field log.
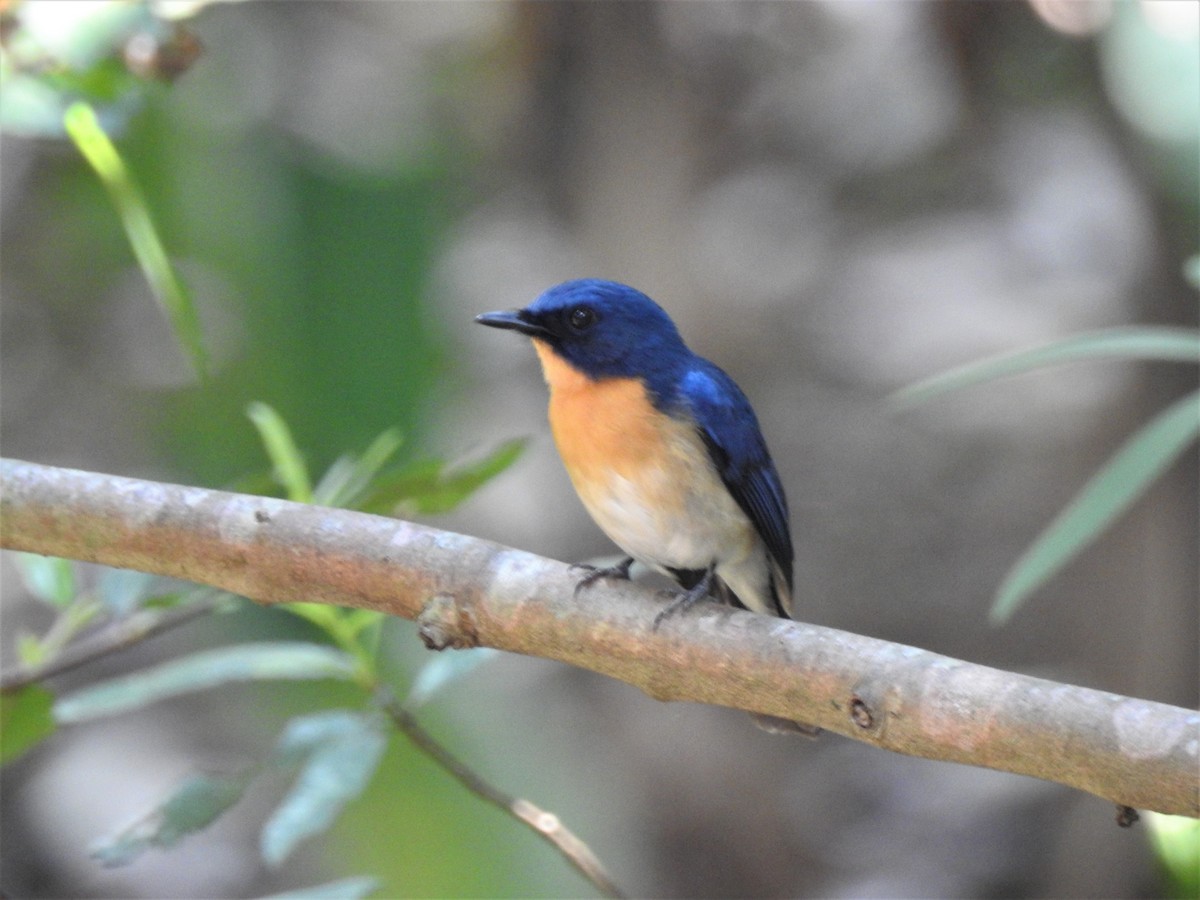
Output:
(24, 720)
(348, 478)
(285, 456)
(210, 668)
(107, 83)
(1107, 494)
(48, 578)
(445, 668)
(1176, 841)
(322, 615)
(84, 129)
(433, 487)
(343, 750)
(172, 599)
(30, 649)
(195, 805)
(1145, 343)
(358, 620)
(344, 889)
(333, 484)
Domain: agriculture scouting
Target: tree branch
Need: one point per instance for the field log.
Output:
(468, 592)
(545, 824)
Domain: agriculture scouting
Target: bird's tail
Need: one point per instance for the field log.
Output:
(781, 591)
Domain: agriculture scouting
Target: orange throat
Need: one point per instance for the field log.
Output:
(601, 426)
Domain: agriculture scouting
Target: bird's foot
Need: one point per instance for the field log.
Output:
(687, 599)
(592, 574)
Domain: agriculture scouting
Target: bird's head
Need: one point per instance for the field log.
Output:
(602, 329)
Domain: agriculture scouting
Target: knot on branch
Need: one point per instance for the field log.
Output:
(444, 624)
(861, 714)
(1127, 816)
(867, 709)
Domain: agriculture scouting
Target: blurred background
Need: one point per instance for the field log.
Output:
(833, 200)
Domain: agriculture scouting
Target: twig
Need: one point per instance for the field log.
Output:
(545, 824)
(468, 592)
(118, 636)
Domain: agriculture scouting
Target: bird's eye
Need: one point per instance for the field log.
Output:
(581, 318)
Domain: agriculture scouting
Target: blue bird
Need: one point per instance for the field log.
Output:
(662, 447)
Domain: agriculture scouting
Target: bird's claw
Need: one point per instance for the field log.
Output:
(592, 574)
(685, 600)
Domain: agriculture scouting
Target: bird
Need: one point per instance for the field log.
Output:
(662, 447)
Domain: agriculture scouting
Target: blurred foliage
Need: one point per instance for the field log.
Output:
(53, 582)
(1151, 65)
(1176, 841)
(303, 280)
(1128, 475)
(334, 753)
(318, 311)
(343, 889)
(84, 129)
(316, 300)
(57, 54)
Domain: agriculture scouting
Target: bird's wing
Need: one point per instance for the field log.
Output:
(728, 426)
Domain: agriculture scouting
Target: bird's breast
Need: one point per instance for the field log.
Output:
(644, 476)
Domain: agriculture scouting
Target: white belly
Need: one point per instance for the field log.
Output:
(702, 527)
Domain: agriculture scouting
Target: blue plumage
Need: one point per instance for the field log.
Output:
(630, 336)
(734, 441)
(676, 471)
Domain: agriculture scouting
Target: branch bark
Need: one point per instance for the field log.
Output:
(466, 592)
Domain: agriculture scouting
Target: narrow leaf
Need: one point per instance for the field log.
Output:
(193, 806)
(172, 599)
(24, 720)
(281, 449)
(344, 889)
(337, 771)
(304, 734)
(1107, 494)
(333, 483)
(377, 454)
(432, 487)
(48, 578)
(85, 131)
(1144, 342)
(356, 620)
(210, 668)
(348, 478)
(445, 668)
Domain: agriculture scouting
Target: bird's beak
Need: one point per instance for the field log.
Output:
(514, 319)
